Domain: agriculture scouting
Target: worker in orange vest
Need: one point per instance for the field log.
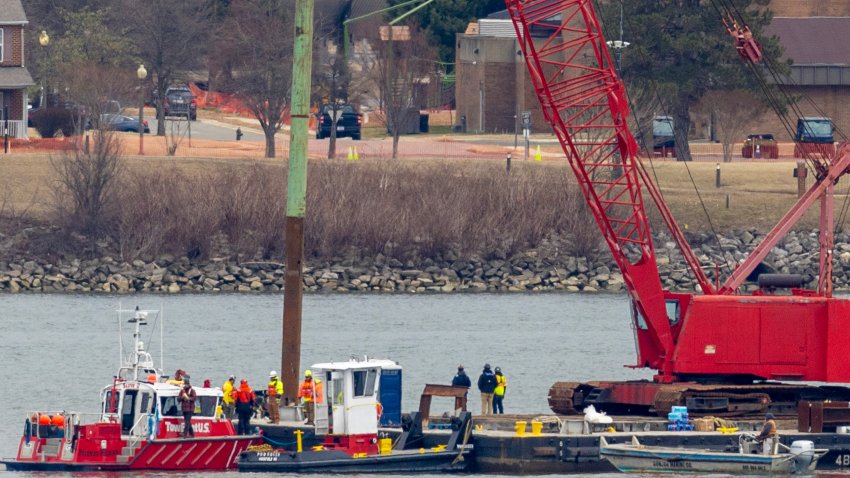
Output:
(274, 392)
(307, 394)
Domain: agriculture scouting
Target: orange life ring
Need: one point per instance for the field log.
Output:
(379, 408)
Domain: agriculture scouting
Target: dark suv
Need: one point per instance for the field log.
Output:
(347, 124)
(179, 101)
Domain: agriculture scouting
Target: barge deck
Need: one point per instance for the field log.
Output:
(566, 444)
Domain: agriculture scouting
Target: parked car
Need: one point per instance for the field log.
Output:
(179, 101)
(348, 123)
(760, 145)
(122, 123)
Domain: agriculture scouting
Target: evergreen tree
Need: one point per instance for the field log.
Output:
(681, 47)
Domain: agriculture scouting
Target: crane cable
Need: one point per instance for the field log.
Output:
(783, 82)
(658, 97)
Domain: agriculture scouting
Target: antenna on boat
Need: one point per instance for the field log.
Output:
(161, 339)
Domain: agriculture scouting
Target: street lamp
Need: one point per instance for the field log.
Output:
(43, 40)
(142, 73)
(618, 45)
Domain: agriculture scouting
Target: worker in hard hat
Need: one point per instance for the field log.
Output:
(273, 394)
(307, 394)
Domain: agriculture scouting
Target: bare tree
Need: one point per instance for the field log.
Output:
(732, 110)
(87, 176)
(256, 42)
(331, 79)
(403, 61)
(170, 38)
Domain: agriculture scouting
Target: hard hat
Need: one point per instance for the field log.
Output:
(272, 374)
(308, 373)
(498, 369)
(44, 419)
(58, 420)
(232, 377)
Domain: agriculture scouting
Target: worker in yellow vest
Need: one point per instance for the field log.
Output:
(229, 403)
(499, 392)
(273, 393)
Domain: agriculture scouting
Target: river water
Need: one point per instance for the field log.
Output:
(57, 351)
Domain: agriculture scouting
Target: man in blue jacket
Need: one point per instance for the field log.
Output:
(487, 385)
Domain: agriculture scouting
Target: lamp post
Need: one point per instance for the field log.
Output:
(43, 40)
(618, 45)
(142, 73)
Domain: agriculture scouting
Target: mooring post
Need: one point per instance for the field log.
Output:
(508, 163)
(717, 176)
(801, 177)
(296, 198)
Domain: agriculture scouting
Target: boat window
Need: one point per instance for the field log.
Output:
(169, 407)
(145, 405)
(364, 382)
(673, 311)
(128, 403)
(337, 387)
(370, 381)
(110, 402)
(359, 382)
(207, 406)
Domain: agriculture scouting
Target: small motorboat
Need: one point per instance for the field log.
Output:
(801, 457)
(138, 426)
(347, 417)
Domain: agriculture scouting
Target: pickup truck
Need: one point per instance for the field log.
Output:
(348, 122)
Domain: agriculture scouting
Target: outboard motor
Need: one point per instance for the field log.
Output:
(804, 455)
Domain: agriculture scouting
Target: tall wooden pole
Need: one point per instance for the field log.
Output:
(296, 198)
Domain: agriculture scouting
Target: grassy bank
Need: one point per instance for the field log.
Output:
(201, 207)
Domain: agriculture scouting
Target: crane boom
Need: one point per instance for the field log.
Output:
(719, 335)
(587, 106)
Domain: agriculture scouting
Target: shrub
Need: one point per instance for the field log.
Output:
(49, 121)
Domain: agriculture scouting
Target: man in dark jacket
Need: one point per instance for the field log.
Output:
(461, 379)
(487, 385)
(187, 406)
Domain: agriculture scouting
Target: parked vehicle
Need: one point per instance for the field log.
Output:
(115, 122)
(348, 123)
(760, 145)
(815, 135)
(179, 101)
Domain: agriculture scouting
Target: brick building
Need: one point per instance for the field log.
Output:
(14, 77)
(493, 84)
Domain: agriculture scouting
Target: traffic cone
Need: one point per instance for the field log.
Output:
(356, 157)
(537, 156)
(350, 154)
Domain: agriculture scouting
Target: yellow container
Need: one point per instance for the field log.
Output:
(520, 428)
(385, 445)
(536, 427)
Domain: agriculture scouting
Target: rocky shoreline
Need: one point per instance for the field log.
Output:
(544, 269)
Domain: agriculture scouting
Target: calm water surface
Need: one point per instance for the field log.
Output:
(57, 351)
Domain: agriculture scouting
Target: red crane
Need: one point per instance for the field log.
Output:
(712, 350)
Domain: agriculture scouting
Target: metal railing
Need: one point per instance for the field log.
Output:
(17, 128)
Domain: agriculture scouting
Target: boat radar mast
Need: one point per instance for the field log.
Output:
(138, 365)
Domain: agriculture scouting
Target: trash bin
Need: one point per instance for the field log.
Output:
(423, 123)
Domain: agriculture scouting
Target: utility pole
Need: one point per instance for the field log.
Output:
(296, 198)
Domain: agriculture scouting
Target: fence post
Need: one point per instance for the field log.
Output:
(508, 164)
(717, 176)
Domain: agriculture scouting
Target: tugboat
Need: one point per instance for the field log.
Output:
(347, 416)
(138, 426)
